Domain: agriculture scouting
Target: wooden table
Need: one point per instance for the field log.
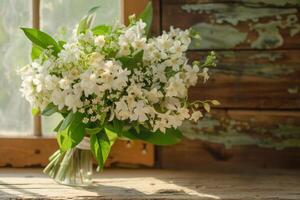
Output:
(156, 184)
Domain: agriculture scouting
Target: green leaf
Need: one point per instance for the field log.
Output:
(35, 111)
(50, 109)
(61, 43)
(215, 102)
(147, 16)
(56, 129)
(42, 39)
(82, 26)
(35, 52)
(134, 61)
(86, 22)
(100, 147)
(72, 135)
(112, 136)
(93, 131)
(101, 30)
(93, 10)
(118, 126)
(70, 118)
(206, 107)
(172, 136)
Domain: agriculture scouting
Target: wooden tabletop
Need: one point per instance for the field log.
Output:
(156, 184)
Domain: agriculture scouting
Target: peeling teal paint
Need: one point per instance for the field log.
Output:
(234, 133)
(269, 33)
(269, 36)
(261, 70)
(286, 131)
(271, 56)
(217, 36)
(235, 13)
(293, 90)
(268, 68)
(273, 2)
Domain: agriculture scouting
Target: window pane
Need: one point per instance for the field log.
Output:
(59, 17)
(15, 115)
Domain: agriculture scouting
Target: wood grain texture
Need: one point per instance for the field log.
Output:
(252, 79)
(236, 25)
(26, 152)
(194, 154)
(243, 138)
(238, 184)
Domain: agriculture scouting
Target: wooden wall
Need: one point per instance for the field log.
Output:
(257, 81)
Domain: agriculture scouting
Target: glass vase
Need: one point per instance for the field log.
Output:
(73, 167)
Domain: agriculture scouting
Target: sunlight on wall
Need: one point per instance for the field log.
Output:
(58, 17)
(15, 116)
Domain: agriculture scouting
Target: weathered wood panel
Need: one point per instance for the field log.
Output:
(195, 154)
(26, 152)
(246, 138)
(236, 25)
(252, 79)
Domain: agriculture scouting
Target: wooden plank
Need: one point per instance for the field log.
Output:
(133, 7)
(26, 152)
(237, 184)
(156, 23)
(252, 79)
(238, 138)
(236, 25)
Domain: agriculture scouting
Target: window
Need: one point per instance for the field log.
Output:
(57, 17)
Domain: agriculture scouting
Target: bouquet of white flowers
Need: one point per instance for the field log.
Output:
(111, 82)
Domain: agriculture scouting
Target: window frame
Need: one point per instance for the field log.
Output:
(34, 150)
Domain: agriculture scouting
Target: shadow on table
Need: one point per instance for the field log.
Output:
(15, 192)
(96, 191)
(115, 192)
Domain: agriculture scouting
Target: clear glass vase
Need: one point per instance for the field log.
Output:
(73, 167)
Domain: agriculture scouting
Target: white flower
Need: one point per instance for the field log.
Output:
(196, 115)
(174, 121)
(183, 113)
(38, 81)
(176, 87)
(204, 74)
(51, 82)
(100, 41)
(122, 112)
(139, 43)
(135, 90)
(191, 75)
(88, 83)
(65, 84)
(85, 120)
(177, 49)
(96, 60)
(121, 79)
(161, 124)
(73, 102)
(139, 112)
(153, 95)
(124, 50)
(172, 103)
(70, 54)
(58, 98)
(164, 42)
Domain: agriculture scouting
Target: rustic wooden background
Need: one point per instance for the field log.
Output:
(257, 81)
